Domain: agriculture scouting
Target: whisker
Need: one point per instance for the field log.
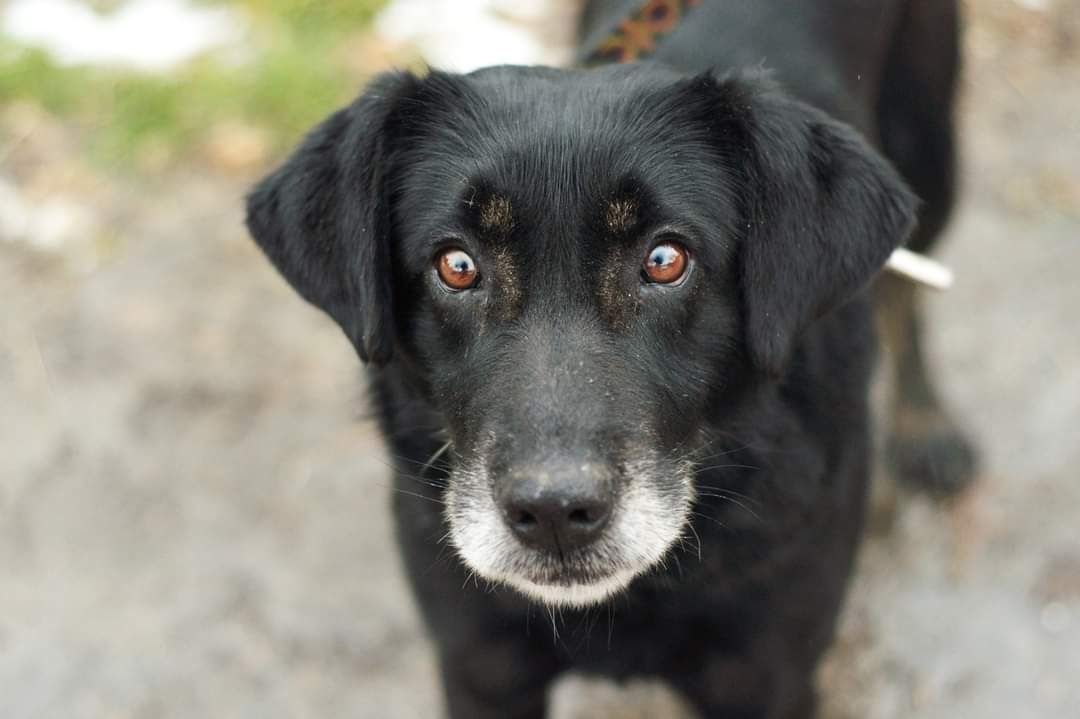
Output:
(398, 471)
(710, 519)
(433, 500)
(712, 467)
(697, 536)
(410, 460)
(438, 453)
(439, 558)
(436, 483)
(730, 493)
(731, 499)
(725, 453)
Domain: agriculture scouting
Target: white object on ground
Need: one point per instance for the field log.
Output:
(465, 35)
(55, 224)
(919, 268)
(146, 35)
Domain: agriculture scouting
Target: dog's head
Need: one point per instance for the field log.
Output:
(577, 267)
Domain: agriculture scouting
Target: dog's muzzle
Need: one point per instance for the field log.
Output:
(568, 533)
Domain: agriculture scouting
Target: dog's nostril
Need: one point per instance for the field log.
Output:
(524, 519)
(581, 516)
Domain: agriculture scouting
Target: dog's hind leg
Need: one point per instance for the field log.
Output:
(925, 449)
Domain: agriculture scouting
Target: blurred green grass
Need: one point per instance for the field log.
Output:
(295, 70)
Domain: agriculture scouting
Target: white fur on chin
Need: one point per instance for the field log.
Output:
(575, 595)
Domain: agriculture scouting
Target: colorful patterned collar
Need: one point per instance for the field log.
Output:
(635, 38)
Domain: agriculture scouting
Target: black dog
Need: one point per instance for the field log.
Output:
(619, 337)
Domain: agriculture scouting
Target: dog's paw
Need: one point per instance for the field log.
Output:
(931, 456)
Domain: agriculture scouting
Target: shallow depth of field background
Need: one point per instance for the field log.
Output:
(193, 509)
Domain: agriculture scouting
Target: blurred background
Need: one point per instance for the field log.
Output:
(193, 508)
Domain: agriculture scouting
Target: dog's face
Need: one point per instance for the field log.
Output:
(577, 268)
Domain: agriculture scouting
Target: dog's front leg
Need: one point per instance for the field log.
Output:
(498, 679)
(494, 665)
(744, 692)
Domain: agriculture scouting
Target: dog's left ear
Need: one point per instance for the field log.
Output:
(823, 212)
(323, 218)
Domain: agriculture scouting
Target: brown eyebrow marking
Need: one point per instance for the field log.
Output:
(617, 304)
(620, 215)
(507, 285)
(497, 214)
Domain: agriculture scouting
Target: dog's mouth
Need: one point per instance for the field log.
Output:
(584, 578)
(571, 587)
(650, 516)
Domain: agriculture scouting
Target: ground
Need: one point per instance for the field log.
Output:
(193, 508)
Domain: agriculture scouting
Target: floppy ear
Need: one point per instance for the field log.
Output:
(823, 212)
(323, 218)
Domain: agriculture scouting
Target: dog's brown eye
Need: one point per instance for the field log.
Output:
(666, 263)
(457, 270)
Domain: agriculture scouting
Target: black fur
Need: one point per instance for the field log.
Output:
(754, 370)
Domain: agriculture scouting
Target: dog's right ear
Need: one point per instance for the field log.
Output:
(823, 211)
(323, 217)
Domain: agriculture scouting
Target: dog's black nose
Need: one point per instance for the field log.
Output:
(556, 514)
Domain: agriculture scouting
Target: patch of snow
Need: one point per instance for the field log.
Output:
(468, 34)
(145, 35)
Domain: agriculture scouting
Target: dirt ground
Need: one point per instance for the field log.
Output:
(193, 510)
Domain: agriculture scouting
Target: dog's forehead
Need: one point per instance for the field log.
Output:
(541, 148)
